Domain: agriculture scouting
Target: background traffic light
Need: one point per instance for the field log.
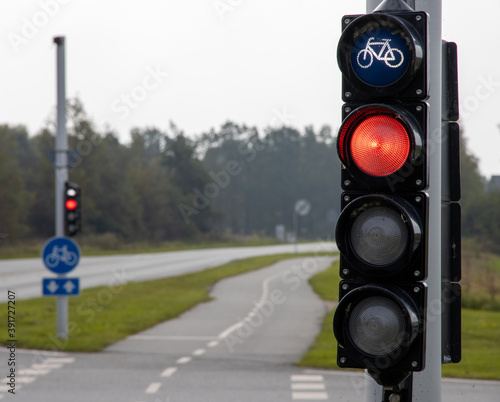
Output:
(382, 230)
(72, 209)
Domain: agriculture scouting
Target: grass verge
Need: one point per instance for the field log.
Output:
(102, 316)
(109, 244)
(480, 337)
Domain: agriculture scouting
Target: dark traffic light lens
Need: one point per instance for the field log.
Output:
(379, 236)
(376, 326)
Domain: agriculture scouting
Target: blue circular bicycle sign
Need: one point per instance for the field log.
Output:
(60, 254)
(380, 57)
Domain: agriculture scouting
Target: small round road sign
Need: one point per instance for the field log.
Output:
(302, 207)
(60, 254)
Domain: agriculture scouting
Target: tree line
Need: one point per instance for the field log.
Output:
(164, 185)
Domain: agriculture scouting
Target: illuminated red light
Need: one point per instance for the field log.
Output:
(71, 205)
(380, 145)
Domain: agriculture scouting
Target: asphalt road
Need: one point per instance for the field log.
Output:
(241, 346)
(24, 276)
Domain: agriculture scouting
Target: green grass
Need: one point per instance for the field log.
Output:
(480, 337)
(102, 316)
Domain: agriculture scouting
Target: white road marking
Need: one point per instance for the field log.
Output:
(310, 396)
(31, 371)
(212, 344)
(308, 386)
(169, 372)
(7, 387)
(184, 360)
(47, 366)
(30, 374)
(198, 352)
(25, 379)
(257, 306)
(153, 388)
(170, 338)
(306, 377)
(62, 360)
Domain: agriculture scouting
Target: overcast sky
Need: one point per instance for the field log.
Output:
(200, 63)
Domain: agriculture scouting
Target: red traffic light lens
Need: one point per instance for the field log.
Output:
(71, 205)
(376, 141)
(380, 145)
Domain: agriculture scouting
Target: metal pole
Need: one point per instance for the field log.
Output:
(296, 229)
(61, 173)
(427, 384)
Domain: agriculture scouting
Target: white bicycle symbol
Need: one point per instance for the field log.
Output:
(60, 254)
(391, 57)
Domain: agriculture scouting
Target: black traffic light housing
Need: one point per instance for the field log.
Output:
(72, 209)
(403, 259)
(412, 171)
(402, 349)
(382, 230)
(451, 252)
(367, 38)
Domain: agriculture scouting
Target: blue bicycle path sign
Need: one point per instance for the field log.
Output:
(60, 254)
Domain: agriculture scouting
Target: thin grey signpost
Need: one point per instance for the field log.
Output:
(61, 172)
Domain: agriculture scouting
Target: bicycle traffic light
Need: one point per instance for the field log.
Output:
(382, 230)
(72, 209)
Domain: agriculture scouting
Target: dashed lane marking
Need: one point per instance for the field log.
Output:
(153, 388)
(170, 338)
(184, 360)
(199, 352)
(25, 379)
(31, 371)
(169, 372)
